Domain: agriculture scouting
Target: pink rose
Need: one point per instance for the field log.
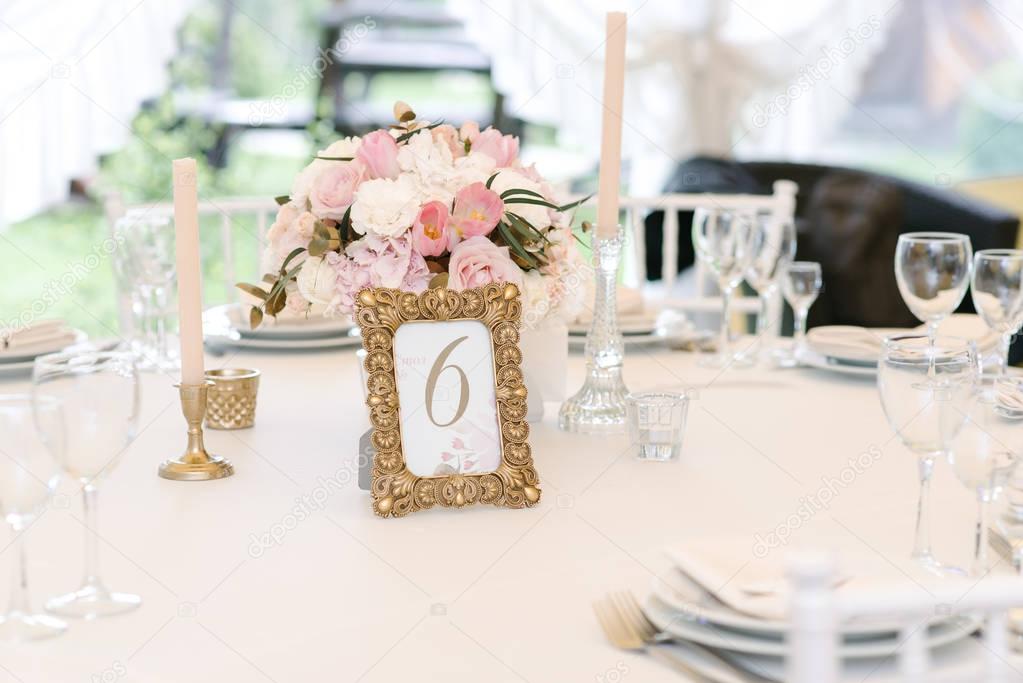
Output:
(477, 210)
(430, 233)
(334, 189)
(447, 134)
(477, 261)
(379, 152)
(503, 149)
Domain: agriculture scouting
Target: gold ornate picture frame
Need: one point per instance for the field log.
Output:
(397, 490)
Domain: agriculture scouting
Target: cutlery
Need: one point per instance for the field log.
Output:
(625, 638)
(1010, 551)
(633, 616)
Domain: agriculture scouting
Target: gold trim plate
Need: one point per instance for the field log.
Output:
(396, 490)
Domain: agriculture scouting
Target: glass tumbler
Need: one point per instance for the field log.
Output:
(656, 423)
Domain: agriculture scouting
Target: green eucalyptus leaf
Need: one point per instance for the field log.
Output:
(255, 317)
(282, 200)
(253, 290)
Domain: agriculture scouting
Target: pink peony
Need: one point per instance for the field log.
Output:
(430, 233)
(503, 149)
(334, 190)
(379, 152)
(477, 211)
(477, 261)
(447, 134)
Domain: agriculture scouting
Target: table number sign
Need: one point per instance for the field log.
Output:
(446, 398)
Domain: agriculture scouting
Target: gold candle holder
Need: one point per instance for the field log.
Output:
(196, 464)
(232, 398)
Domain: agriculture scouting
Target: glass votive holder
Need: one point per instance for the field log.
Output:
(656, 423)
(231, 400)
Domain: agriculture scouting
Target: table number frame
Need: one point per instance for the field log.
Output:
(395, 489)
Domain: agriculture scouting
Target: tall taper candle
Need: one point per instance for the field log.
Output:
(186, 229)
(611, 127)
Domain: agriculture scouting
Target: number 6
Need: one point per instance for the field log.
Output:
(431, 384)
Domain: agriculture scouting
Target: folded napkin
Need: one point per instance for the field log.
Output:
(630, 303)
(40, 336)
(863, 344)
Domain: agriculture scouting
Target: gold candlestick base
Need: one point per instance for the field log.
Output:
(196, 464)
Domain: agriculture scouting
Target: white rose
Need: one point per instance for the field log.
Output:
(345, 147)
(536, 299)
(538, 216)
(305, 224)
(317, 281)
(385, 207)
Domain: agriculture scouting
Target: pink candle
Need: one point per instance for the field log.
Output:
(186, 229)
(611, 127)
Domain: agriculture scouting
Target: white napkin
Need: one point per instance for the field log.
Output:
(40, 336)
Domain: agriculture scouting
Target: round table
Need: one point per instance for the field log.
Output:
(283, 573)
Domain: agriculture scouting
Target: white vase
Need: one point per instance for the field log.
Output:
(544, 359)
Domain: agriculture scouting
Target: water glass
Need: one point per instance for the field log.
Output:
(656, 423)
(926, 385)
(997, 291)
(99, 393)
(932, 270)
(28, 477)
(145, 268)
(722, 240)
(801, 285)
(772, 249)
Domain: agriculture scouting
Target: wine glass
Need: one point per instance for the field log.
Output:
(28, 477)
(721, 238)
(933, 271)
(145, 267)
(99, 392)
(772, 250)
(983, 456)
(997, 291)
(925, 385)
(801, 284)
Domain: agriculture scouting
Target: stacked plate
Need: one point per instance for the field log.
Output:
(682, 609)
(19, 348)
(637, 324)
(227, 327)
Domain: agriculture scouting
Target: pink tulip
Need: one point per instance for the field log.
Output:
(477, 211)
(430, 233)
(379, 152)
(503, 149)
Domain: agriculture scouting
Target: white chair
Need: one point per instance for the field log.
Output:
(816, 610)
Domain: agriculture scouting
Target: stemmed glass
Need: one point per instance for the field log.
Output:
(28, 477)
(932, 270)
(801, 285)
(983, 457)
(722, 238)
(997, 291)
(100, 396)
(772, 250)
(145, 266)
(926, 384)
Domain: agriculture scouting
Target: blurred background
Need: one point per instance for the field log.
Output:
(891, 115)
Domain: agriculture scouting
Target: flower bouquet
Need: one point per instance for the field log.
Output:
(414, 206)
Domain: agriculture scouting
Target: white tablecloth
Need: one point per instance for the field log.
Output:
(240, 584)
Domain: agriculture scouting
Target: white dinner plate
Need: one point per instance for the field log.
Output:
(635, 324)
(838, 365)
(224, 341)
(16, 369)
(577, 343)
(236, 316)
(722, 638)
(679, 594)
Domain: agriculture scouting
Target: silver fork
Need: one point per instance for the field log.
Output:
(633, 615)
(622, 635)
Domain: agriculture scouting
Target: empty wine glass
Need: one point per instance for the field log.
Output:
(925, 385)
(997, 291)
(801, 284)
(772, 249)
(721, 238)
(28, 477)
(932, 270)
(100, 396)
(983, 456)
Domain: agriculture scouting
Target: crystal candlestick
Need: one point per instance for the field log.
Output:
(599, 406)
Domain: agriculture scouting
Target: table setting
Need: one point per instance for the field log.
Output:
(433, 440)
